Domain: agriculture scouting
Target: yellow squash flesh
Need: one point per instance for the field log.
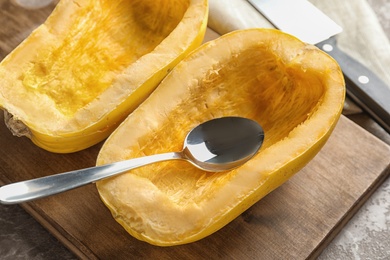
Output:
(77, 76)
(294, 90)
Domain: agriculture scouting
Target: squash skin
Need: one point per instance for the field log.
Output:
(163, 218)
(54, 130)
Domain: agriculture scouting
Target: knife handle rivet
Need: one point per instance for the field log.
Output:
(327, 47)
(363, 79)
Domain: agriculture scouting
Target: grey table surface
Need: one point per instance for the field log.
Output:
(366, 236)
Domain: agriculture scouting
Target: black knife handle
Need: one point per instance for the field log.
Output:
(363, 86)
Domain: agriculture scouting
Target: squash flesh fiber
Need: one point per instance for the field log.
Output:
(93, 66)
(293, 90)
(92, 62)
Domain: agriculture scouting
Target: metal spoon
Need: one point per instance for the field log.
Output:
(216, 145)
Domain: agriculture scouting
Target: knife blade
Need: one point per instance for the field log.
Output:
(305, 21)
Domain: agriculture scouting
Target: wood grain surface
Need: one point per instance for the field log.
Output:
(294, 222)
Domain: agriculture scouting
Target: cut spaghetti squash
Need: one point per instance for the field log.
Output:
(77, 76)
(294, 90)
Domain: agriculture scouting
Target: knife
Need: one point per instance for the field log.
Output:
(305, 21)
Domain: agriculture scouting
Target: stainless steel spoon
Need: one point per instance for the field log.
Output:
(216, 145)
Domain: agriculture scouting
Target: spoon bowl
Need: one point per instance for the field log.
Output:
(217, 145)
(223, 144)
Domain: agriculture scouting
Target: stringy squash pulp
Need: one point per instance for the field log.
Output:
(294, 90)
(77, 76)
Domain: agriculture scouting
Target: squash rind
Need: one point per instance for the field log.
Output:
(57, 132)
(172, 203)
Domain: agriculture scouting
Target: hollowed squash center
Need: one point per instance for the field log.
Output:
(104, 38)
(254, 84)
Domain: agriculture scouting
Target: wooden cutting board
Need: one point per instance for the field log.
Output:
(295, 221)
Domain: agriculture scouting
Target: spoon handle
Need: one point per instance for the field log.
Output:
(42, 187)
